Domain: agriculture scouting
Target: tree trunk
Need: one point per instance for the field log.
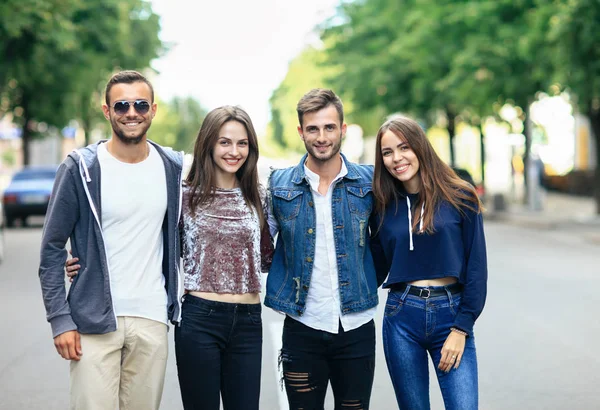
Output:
(451, 133)
(278, 130)
(482, 154)
(87, 129)
(26, 140)
(86, 118)
(25, 131)
(594, 116)
(527, 154)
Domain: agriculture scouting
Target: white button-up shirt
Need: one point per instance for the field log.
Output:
(323, 309)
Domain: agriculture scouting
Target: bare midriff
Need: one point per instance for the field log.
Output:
(434, 282)
(244, 298)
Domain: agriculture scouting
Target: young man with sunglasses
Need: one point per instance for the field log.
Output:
(118, 202)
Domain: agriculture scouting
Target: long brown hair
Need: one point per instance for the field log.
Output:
(201, 178)
(439, 182)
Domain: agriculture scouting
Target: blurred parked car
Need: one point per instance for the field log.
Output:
(466, 176)
(28, 193)
(1, 233)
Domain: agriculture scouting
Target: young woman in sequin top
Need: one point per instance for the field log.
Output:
(226, 244)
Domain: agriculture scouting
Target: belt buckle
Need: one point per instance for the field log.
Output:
(428, 293)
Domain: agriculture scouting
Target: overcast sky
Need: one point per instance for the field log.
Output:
(233, 51)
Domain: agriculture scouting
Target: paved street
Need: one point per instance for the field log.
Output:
(537, 338)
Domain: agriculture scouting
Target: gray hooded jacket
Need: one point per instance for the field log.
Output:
(74, 213)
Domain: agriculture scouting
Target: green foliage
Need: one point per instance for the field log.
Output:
(36, 35)
(428, 55)
(374, 72)
(177, 123)
(465, 57)
(57, 54)
(305, 72)
(503, 58)
(8, 158)
(575, 36)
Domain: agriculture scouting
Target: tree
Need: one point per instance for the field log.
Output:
(58, 52)
(503, 60)
(36, 35)
(575, 36)
(307, 71)
(397, 53)
(133, 44)
(461, 58)
(177, 123)
(304, 73)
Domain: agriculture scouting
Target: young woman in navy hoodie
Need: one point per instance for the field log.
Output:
(428, 238)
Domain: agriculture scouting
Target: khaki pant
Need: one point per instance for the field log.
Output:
(123, 369)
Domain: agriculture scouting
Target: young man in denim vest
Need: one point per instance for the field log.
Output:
(322, 276)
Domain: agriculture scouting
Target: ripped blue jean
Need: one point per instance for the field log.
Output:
(414, 327)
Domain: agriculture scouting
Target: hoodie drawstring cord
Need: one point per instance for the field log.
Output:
(83, 166)
(410, 247)
(410, 231)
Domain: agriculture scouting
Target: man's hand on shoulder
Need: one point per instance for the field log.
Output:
(68, 345)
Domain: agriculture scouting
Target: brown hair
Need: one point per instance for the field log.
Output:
(201, 177)
(126, 77)
(317, 99)
(438, 181)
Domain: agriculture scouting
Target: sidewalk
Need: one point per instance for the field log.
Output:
(561, 212)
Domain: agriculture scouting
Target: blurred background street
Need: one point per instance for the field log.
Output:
(536, 338)
(507, 91)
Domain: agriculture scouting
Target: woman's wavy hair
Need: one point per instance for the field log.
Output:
(202, 180)
(439, 182)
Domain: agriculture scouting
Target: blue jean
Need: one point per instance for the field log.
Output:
(414, 326)
(311, 358)
(219, 350)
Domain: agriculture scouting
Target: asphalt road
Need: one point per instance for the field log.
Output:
(537, 337)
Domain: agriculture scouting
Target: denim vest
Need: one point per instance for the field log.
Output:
(293, 208)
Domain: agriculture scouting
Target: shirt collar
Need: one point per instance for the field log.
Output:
(313, 178)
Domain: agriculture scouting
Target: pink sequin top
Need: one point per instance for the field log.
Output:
(222, 245)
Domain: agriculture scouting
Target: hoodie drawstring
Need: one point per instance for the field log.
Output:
(83, 170)
(410, 231)
(82, 165)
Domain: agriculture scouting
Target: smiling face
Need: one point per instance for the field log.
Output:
(230, 152)
(401, 161)
(322, 133)
(131, 127)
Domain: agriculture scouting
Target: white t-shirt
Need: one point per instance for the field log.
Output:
(134, 204)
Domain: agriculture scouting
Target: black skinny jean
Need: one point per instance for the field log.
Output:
(219, 350)
(311, 358)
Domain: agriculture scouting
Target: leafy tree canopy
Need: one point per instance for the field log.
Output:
(57, 54)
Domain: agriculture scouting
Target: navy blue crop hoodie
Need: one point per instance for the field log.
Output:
(456, 249)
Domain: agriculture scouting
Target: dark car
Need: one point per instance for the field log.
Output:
(466, 176)
(1, 233)
(28, 193)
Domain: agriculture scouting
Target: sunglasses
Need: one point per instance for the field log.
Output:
(140, 106)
